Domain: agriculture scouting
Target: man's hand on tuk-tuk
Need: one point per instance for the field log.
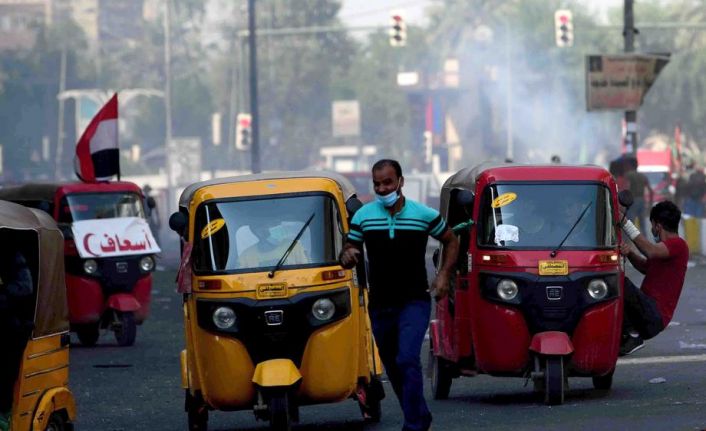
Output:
(349, 256)
(440, 286)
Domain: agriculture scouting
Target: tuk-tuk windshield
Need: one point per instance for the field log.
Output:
(254, 235)
(89, 206)
(540, 216)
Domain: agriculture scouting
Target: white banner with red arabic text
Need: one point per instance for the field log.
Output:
(113, 237)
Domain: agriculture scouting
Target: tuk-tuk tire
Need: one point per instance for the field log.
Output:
(280, 412)
(198, 418)
(441, 376)
(88, 333)
(57, 422)
(127, 331)
(554, 380)
(603, 383)
(374, 394)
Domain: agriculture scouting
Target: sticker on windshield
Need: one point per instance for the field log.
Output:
(503, 200)
(506, 232)
(212, 228)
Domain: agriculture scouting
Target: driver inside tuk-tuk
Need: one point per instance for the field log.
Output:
(15, 326)
(272, 244)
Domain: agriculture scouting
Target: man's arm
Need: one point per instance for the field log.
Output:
(637, 260)
(349, 255)
(647, 248)
(440, 285)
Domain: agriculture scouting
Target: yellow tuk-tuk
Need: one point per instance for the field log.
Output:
(41, 397)
(272, 320)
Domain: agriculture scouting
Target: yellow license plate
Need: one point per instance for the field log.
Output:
(271, 290)
(553, 267)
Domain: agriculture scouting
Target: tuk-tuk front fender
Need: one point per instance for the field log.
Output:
(54, 400)
(552, 343)
(123, 302)
(276, 373)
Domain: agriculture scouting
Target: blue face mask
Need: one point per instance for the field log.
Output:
(389, 199)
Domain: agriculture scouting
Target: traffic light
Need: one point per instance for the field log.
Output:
(398, 30)
(564, 28)
(243, 132)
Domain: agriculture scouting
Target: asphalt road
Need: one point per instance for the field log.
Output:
(661, 387)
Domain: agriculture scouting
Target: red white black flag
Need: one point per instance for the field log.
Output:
(97, 155)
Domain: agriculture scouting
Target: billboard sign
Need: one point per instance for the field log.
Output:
(620, 82)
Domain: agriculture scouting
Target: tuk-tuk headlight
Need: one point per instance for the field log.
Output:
(323, 309)
(147, 264)
(507, 289)
(90, 266)
(597, 288)
(224, 317)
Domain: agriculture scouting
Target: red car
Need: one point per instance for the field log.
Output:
(109, 252)
(538, 286)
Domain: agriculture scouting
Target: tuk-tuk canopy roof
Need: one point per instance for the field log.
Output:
(48, 191)
(51, 312)
(345, 184)
(465, 179)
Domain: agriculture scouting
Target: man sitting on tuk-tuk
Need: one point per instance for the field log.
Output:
(15, 326)
(649, 309)
(271, 246)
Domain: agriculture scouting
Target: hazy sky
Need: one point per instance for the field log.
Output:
(367, 12)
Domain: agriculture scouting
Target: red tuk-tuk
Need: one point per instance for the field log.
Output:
(109, 252)
(538, 286)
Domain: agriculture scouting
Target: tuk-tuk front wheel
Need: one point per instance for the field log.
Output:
(126, 328)
(57, 422)
(197, 413)
(281, 412)
(88, 333)
(554, 380)
(441, 376)
(370, 398)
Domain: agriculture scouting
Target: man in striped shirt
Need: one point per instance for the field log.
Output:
(395, 231)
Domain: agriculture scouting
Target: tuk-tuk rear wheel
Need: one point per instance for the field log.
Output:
(554, 380)
(441, 376)
(280, 412)
(88, 333)
(126, 331)
(603, 383)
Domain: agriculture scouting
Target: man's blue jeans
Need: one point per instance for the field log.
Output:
(399, 333)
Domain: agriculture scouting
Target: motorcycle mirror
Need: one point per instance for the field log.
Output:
(177, 222)
(353, 205)
(625, 198)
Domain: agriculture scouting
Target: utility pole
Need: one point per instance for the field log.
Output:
(58, 157)
(255, 125)
(168, 102)
(630, 116)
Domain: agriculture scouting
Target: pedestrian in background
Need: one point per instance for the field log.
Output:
(639, 186)
(695, 191)
(395, 231)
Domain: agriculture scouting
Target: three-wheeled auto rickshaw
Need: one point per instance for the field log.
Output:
(538, 286)
(109, 252)
(272, 320)
(41, 397)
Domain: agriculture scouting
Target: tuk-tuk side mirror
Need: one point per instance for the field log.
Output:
(625, 198)
(465, 198)
(177, 222)
(353, 205)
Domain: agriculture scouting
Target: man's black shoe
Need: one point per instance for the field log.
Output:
(631, 345)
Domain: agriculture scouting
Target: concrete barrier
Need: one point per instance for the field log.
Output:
(693, 230)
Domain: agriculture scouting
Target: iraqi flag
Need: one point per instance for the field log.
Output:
(97, 155)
